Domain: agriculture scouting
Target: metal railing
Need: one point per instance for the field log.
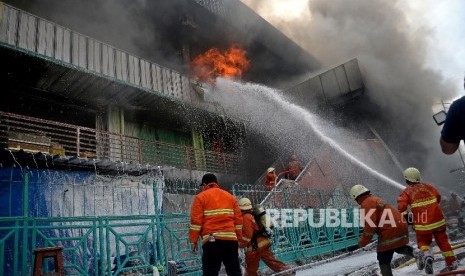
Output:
(107, 226)
(99, 245)
(62, 45)
(106, 241)
(87, 142)
(301, 241)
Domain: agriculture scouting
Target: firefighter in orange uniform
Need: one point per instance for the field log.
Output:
(428, 220)
(217, 220)
(256, 243)
(386, 222)
(294, 168)
(270, 179)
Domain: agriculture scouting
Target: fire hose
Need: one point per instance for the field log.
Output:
(455, 272)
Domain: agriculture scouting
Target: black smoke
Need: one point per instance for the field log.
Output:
(401, 88)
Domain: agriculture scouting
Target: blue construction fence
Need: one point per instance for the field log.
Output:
(117, 225)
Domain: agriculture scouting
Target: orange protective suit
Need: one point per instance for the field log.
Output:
(215, 211)
(270, 181)
(262, 252)
(428, 219)
(392, 234)
(294, 168)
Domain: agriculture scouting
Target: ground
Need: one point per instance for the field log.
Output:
(364, 263)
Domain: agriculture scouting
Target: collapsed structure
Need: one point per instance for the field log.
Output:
(105, 145)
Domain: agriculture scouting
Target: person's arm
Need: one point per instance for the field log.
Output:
(448, 148)
(450, 133)
(247, 233)
(196, 222)
(402, 203)
(237, 219)
(369, 230)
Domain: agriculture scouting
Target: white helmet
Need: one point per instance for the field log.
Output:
(412, 175)
(270, 169)
(358, 190)
(245, 204)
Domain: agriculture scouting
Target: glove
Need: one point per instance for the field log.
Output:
(194, 247)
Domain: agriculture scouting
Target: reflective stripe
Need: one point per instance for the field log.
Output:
(246, 239)
(238, 227)
(424, 248)
(423, 203)
(218, 212)
(391, 241)
(448, 254)
(220, 235)
(404, 213)
(195, 227)
(430, 226)
(261, 244)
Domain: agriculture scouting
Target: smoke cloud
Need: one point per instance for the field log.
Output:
(139, 27)
(393, 59)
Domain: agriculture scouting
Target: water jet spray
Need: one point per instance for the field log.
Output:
(263, 106)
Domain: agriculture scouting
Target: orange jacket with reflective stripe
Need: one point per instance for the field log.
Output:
(393, 233)
(424, 200)
(270, 180)
(250, 226)
(215, 211)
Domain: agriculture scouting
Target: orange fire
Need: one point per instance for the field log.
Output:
(212, 64)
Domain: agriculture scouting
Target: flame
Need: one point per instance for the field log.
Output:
(231, 63)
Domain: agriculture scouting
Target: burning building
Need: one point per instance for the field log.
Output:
(104, 106)
(95, 85)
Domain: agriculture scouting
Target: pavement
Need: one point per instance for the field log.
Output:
(364, 263)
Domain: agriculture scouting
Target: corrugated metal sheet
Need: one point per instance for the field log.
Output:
(334, 87)
(45, 39)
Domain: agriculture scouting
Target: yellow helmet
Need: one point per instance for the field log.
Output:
(358, 190)
(245, 204)
(271, 169)
(412, 175)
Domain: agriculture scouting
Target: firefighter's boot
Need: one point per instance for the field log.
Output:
(451, 267)
(429, 260)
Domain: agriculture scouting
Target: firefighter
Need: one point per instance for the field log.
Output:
(294, 168)
(217, 220)
(256, 243)
(270, 179)
(452, 131)
(428, 220)
(387, 223)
